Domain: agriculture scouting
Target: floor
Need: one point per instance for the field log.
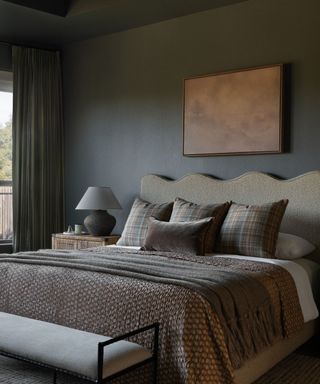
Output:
(301, 367)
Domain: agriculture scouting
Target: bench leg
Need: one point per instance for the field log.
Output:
(55, 377)
(155, 354)
(154, 372)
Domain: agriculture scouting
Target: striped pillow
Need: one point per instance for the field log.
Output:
(186, 211)
(136, 226)
(252, 230)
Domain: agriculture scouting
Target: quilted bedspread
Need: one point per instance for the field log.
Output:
(214, 312)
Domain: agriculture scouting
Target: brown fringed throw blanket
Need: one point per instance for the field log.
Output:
(214, 312)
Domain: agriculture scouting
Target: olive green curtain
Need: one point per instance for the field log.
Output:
(37, 125)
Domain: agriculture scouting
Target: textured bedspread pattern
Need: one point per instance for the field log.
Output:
(214, 312)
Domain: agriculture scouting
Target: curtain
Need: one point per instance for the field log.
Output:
(37, 129)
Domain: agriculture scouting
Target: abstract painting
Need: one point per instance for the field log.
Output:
(237, 112)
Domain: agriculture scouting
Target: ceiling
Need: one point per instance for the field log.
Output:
(57, 7)
(57, 22)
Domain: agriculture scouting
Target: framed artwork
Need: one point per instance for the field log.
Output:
(234, 113)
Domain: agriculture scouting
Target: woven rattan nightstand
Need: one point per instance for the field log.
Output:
(61, 241)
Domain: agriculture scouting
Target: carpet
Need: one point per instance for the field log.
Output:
(16, 372)
(301, 367)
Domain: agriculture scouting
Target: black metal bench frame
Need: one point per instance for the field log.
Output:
(153, 360)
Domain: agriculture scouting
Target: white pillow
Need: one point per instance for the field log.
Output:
(290, 247)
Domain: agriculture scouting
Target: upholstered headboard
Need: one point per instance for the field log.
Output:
(303, 212)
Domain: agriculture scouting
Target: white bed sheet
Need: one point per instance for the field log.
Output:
(304, 273)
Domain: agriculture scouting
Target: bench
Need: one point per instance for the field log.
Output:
(86, 355)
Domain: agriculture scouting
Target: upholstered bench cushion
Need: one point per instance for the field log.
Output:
(65, 348)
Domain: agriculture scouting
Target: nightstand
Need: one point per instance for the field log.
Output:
(61, 241)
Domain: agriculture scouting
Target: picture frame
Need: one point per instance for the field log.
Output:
(234, 113)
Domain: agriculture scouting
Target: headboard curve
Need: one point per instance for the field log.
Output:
(302, 217)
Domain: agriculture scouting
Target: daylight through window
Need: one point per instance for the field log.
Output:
(5, 156)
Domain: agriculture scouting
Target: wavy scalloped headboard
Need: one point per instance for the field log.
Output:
(303, 212)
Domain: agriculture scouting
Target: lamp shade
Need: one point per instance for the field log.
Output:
(98, 198)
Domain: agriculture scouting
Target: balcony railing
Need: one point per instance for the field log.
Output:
(6, 227)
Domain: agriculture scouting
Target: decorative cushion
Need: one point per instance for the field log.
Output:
(186, 237)
(186, 211)
(290, 247)
(136, 226)
(252, 230)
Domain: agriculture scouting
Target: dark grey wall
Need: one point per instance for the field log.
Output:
(5, 57)
(123, 95)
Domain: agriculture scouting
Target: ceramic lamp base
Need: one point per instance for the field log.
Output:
(99, 223)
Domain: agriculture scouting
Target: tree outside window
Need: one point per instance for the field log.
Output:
(5, 166)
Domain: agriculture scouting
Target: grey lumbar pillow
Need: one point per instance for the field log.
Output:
(136, 226)
(290, 247)
(186, 237)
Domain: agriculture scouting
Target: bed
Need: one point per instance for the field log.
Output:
(302, 218)
(79, 290)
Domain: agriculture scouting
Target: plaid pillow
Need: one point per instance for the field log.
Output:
(136, 226)
(186, 211)
(252, 230)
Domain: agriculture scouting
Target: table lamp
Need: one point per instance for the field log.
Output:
(98, 200)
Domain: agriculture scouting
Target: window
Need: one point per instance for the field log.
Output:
(5, 156)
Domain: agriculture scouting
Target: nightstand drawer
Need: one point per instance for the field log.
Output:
(61, 241)
(88, 244)
(65, 244)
